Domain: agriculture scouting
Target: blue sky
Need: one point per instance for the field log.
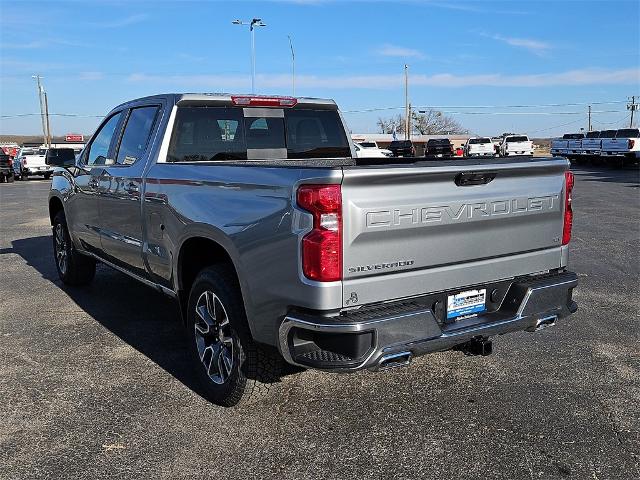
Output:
(462, 56)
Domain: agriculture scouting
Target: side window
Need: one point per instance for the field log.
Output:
(136, 135)
(99, 149)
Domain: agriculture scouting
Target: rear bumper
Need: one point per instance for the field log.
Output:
(37, 171)
(364, 338)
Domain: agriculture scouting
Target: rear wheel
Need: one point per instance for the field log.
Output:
(73, 267)
(9, 178)
(47, 176)
(230, 366)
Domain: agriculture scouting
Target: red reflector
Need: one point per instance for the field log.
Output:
(631, 143)
(322, 247)
(258, 101)
(568, 211)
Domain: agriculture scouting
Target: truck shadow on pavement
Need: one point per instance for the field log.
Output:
(630, 175)
(145, 319)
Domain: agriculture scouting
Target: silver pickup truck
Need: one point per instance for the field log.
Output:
(254, 213)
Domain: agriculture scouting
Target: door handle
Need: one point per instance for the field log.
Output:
(466, 179)
(132, 187)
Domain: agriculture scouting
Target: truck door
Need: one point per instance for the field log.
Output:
(121, 190)
(83, 211)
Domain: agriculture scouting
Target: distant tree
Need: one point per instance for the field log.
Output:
(431, 122)
(391, 124)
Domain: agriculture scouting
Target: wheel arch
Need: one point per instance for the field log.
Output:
(197, 252)
(55, 206)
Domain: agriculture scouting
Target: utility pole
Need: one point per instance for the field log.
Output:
(589, 118)
(256, 22)
(406, 102)
(633, 106)
(46, 115)
(40, 98)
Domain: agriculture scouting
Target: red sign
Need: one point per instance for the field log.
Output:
(73, 137)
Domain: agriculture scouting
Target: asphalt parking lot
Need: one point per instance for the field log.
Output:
(94, 382)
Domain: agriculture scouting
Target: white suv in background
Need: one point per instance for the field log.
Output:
(371, 151)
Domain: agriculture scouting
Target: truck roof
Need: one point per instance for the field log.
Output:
(227, 99)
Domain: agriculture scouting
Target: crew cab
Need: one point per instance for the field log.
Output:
(32, 161)
(516, 145)
(625, 144)
(402, 148)
(574, 145)
(592, 143)
(279, 245)
(438, 147)
(479, 147)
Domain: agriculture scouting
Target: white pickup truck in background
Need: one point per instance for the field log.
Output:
(479, 147)
(625, 144)
(516, 145)
(31, 161)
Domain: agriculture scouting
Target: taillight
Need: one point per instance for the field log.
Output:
(568, 212)
(631, 143)
(322, 246)
(261, 101)
(23, 160)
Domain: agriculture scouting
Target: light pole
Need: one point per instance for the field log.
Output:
(293, 66)
(256, 22)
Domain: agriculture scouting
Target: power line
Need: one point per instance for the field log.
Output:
(556, 126)
(18, 115)
(540, 105)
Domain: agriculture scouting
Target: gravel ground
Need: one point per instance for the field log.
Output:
(94, 382)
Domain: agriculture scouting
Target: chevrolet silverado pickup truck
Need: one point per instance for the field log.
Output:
(282, 247)
(516, 145)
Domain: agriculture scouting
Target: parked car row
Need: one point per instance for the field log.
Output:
(611, 145)
(506, 146)
(32, 161)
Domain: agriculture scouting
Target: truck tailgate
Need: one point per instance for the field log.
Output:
(416, 229)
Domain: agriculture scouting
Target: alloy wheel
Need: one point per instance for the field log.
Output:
(61, 248)
(213, 337)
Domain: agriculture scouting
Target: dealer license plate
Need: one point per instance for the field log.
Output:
(466, 303)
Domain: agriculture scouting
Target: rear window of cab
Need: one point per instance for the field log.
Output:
(203, 133)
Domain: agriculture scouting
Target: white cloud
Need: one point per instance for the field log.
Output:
(388, 50)
(236, 83)
(536, 47)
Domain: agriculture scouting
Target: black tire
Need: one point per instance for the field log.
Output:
(47, 176)
(254, 368)
(78, 269)
(10, 179)
(25, 177)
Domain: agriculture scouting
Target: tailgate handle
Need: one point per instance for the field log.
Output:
(466, 179)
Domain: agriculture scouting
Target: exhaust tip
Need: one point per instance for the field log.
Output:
(394, 360)
(543, 323)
